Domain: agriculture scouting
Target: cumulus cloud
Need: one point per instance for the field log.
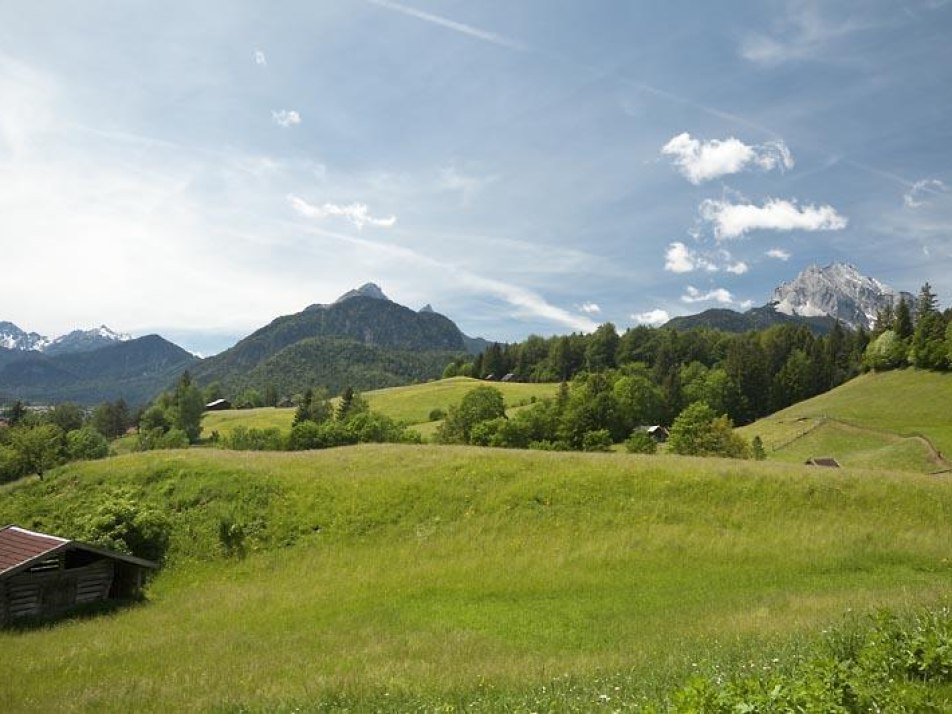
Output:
(732, 220)
(700, 161)
(260, 58)
(778, 254)
(285, 117)
(738, 268)
(356, 213)
(590, 308)
(916, 196)
(678, 258)
(655, 318)
(720, 295)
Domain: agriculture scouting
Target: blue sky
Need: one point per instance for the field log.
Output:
(527, 167)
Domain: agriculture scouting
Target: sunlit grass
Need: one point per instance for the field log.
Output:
(392, 570)
(871, 421)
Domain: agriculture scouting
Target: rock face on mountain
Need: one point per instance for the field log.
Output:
(817, 298)
(839, 291)
(14, 338)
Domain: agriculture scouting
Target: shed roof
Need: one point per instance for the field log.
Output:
(20, 548)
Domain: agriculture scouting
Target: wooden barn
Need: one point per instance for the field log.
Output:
(826, 461)
(218, 405)
(43, 575)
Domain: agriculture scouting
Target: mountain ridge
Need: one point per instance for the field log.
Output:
(818, 297)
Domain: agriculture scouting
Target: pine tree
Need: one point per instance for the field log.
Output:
(903, 321)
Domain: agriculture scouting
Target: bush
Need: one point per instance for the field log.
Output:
(597, 440)
(640, 442)
(437, 414)
(254, 439)
(698, 431)
(122, 524)
(86, 443)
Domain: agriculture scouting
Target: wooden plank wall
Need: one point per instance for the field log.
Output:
(23, 594)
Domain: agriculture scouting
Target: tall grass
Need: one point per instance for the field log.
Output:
(428, 574)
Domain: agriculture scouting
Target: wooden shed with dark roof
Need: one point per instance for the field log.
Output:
(43, 575)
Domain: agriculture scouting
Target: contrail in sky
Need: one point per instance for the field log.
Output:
(460, 27)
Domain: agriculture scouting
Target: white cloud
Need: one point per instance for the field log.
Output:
(738, 268)
(802, 33)
(720, 295)
(915, 197)
(655, 318)
(678, 258)
(701, 161)
(285, 117)
(778, 254)
(590, 308)
(734, 220)
(356, 213)
(260, 58)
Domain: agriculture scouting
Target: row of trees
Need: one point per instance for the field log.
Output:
(919, 335)
(745, 376)
(592, 413)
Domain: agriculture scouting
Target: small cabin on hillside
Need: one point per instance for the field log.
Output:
(658, 433)
(827, 461)
(43, 575)
(218, 405)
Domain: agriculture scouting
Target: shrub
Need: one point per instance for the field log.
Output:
(640, 442)
(597, 440)
(86, 443)
(698, 431)
(122, 524)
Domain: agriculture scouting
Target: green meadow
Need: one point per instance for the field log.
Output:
(385, 577)
(899, 420)
(410, 404)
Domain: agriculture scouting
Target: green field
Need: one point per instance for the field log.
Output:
(900, 420)
(399, 577)
(411, 404)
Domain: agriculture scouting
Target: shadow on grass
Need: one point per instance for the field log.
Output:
(79, 613)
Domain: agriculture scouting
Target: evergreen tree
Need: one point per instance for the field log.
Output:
(903, 321)
(601, 348)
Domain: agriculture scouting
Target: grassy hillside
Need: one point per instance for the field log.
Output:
(892, 420)
(411, 404)
(395, 575)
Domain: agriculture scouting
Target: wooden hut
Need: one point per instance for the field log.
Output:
(827, 461)
(44, 575)
(218, 405)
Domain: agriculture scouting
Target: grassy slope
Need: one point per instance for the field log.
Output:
(411, 404)
(423, 569)
(870, 421)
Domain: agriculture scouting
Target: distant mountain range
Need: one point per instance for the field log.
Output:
(13, 338)
(134, 370)
(817, 297)
(363, 340)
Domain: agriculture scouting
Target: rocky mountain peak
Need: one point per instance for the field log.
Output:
(838, 290)
(371, 290)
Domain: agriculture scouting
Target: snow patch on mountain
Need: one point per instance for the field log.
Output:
(15, 338)
(839, 291)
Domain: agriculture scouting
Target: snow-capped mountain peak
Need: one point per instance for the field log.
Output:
(839, 291)
(14, 338)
